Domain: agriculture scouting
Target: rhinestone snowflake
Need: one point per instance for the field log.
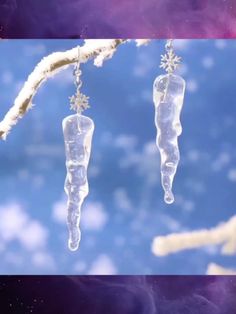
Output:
(170, 61)
(79, 102)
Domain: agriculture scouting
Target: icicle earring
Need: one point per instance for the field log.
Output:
(168, 96)
(78, 132)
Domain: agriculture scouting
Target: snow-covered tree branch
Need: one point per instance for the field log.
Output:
(99, 50)
(223, 234)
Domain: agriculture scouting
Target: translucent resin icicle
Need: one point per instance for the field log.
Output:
(78, 132)
(168, 95)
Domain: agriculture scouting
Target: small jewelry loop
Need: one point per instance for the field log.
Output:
(169, 44)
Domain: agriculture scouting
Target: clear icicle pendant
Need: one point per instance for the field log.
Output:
(168, 96)
(78, 132)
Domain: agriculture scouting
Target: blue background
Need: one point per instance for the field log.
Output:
(125, 209)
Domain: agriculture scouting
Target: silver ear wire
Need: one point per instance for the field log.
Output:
(78, 101)
(77, 72)
(169, 44)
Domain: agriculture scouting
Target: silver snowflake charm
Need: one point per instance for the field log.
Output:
(170, 61)
(79, 102)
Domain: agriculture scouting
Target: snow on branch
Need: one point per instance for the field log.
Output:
(214, 269)
(96, 49)
(223, 234)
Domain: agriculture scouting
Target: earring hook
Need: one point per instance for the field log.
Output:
(77, 72)
(79, 101)
(169, 44)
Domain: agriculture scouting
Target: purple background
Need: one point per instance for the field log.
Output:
(118, 294)
(115, 19)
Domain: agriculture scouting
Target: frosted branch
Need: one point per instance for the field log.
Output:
(223, 234)
(214, 269)
(96, 49)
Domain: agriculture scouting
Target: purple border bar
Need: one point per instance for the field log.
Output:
(118, 294)
(118, 19)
